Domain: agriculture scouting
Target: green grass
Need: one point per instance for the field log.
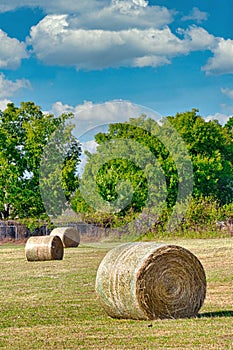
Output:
(52, 305)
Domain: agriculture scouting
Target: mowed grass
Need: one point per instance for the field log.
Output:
(52, 304)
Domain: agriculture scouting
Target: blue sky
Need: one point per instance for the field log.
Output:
(168, 56)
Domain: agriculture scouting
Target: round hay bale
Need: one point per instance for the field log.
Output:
(145, 281)
(70, 236)
(41, 248)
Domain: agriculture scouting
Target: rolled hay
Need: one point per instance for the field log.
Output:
(146, 281)
(41, 248)
(70, 236)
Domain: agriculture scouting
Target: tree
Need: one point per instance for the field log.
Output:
(138, 165)
(24, 133)
(210, 146)
(229, 126)
(201, 164)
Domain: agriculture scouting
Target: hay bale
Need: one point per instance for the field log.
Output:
(145, 280)
(41, 248)
(70, 236)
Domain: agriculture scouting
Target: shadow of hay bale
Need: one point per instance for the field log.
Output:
(225, 313)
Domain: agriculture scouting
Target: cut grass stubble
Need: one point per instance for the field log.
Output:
(52, 304)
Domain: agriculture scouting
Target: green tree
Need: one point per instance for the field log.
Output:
(134, 167)
(229, 126)
(24, 133)
(210, 146)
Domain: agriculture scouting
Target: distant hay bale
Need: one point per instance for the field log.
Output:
(70, 236)
(41, 248)
(146, 280)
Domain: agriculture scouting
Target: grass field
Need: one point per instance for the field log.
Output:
(52, 305)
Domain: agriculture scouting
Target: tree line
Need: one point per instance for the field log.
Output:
(132, 160)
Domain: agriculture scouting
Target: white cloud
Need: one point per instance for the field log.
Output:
(8, 87)
(196, 15)
(222, 118)
(222, 61)
(152, 61)
(98, 34)
(197, 38)
(124, 14)
(89, 116)
(12, 51)
(3, 104)
(100, 14)
(227, 92)
(90, 146)
(53, 6)
(57, 40)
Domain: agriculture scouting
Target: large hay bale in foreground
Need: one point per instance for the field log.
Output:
(41, 248)
(147, 281)
(70, 236)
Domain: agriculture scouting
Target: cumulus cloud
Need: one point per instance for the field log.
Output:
(222, 61)
(4, 103)
(98, 34)
(12, 51)
(90, 146)
(89, 116)
(196, 15)
(57, 40)
(197, 38)
(119, 15)
(222, 118)
(227, 92)
(53, 6)
(94, 14)
(97, 48)
(8, 87)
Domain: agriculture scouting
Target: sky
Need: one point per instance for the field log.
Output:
(118, 57)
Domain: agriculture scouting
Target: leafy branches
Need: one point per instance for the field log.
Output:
(24, 133)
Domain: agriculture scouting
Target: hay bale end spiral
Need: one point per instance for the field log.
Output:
(146, 281)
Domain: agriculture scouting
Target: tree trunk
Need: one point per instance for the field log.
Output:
(5, 212)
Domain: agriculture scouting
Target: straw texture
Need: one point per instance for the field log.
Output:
(148, 280)
(41, 248)
(70, 236)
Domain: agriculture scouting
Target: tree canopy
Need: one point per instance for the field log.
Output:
(24, 133)
(209, 147)
(138, 164)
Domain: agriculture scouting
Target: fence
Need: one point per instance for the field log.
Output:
(95, 232)
(8, 231)
(18, 231)
(14, 230)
